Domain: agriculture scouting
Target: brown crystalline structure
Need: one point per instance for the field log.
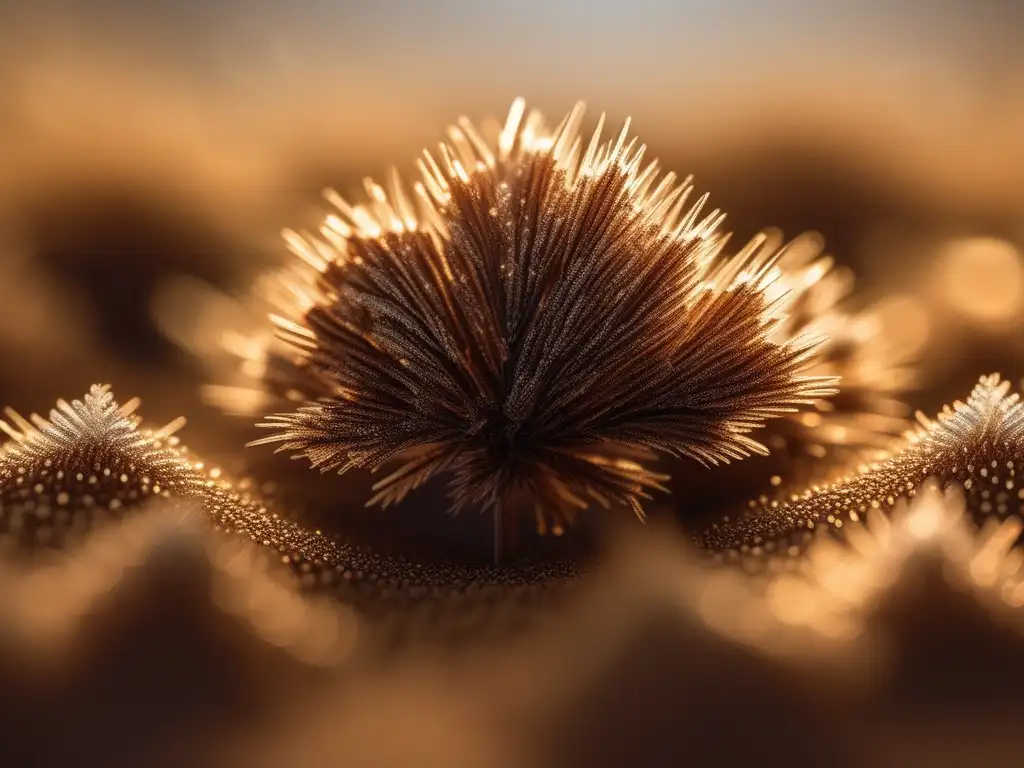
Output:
(865, 419)
(411, 278)
(539, 316)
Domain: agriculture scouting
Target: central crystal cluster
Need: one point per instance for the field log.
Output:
(540, 312)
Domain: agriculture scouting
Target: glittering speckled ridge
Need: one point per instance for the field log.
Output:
(91, 463)
(976, 445)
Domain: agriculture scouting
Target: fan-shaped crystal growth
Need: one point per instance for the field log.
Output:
(541, 313)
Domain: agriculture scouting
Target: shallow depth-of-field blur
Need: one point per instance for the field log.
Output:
(145, 142)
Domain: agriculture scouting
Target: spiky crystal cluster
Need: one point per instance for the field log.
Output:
(867, 414)
(977, 444)
(540, 313)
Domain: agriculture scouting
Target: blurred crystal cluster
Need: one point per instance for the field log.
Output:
(150, 152)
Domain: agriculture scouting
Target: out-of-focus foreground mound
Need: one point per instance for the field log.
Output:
(155, 639)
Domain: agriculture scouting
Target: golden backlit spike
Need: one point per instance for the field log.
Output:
(170, 428)
(341, 228)
(366, 224)
(301, 248)
(567, 132)
(663, 212)
(302, 301)
(634, 155)
(690, 220)
(343, 206)
(589, 158)
(374, 190)
(428, 209)
(460, 147)
(620, 142)
(762, 254)
(20, 423)
(533, 137)
(710, 250)
(601, 159)
(11, 432)
(434, 177)
(327, 254)
(292, 327)
(629, 161)
(403, 205)
(768, 280)
(338, 242)
(710, 223)
(293, 333)
(66, 416)
(129, 407)
(707, 254)
(728, 271)
(510, 132)
(383, 212)
(458, 169)
(675, 219)
(640, 186)
(572, 162)
(430, 192)
(665, 192)
(765, 272)
(483, 152)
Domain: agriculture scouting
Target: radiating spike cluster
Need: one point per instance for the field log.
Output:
(537, 310)
(866, 418)
(977, 445)
(868, 414)
(88, 461)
